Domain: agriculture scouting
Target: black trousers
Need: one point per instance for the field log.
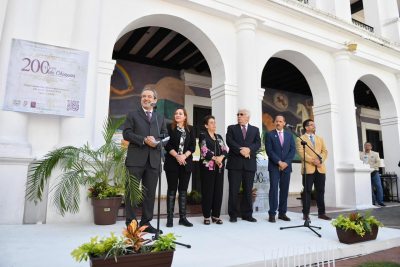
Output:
(212, 185)
(318, 179)
(178, 180)
(149, 178)
(246, 178)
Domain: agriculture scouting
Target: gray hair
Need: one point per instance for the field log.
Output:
(147, 88)
(245, 111)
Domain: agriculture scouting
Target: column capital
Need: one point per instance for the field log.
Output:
(325, 109)
(389, 121)
(223, 89)
(106, 66)
(342, 55)
(261, 92)
(246, 23)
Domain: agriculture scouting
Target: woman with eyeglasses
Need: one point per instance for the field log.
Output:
(178, 165)
(212, 159)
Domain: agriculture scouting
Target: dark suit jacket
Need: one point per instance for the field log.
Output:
(234, 140)
(136, 128)
(278, 153)
(173, 144)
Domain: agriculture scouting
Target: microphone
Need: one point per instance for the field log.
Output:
(154, 105)
(290, 126)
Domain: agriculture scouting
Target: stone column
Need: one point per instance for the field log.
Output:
(84, 37)
(338, 8)
(384, 17)
(248, 95)
(20, 21)
(323, 117)
(352, 176)
(224, 98)
(77, 131)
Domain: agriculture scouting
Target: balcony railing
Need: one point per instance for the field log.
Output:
(363, 25)
(303, 1)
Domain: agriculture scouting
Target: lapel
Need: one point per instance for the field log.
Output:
(142, 114)
(277, 138)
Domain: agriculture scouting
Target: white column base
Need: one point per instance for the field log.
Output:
(354, 186)
(12, 190)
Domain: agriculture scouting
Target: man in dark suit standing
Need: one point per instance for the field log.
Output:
(143, 128)
(280, 149)
(243, 141)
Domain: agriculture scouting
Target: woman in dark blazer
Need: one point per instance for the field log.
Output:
(212, 158)
(178, 164)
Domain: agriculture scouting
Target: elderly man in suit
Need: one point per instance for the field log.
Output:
(243, 141)
(315, 169)
(143, 129)
(281, 149)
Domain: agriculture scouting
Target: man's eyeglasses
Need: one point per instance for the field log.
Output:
(240, 114)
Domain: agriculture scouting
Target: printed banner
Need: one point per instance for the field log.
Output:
(46, 79)
(261, 184)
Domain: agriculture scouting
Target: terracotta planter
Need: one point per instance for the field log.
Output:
(159, 259)
(106, 210)
(351, 237)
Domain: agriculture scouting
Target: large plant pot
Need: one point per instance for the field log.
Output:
(106, 210)
(351, 237)
(159, 259)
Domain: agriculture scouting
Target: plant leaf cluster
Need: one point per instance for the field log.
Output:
(361, 224)
(101, 169)
(131, 242)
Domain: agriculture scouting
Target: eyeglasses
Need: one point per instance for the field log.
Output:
(240, 114)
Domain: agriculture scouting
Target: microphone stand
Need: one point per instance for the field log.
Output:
(307, 222)
(161, 144)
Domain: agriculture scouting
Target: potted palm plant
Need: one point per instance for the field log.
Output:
(102, 170)
(355, 227)
(131, 249)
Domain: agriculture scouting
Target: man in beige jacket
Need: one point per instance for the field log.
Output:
(372, 158)
(315, 169)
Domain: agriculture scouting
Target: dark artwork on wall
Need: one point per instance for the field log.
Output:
(129, 78)
(295, 107)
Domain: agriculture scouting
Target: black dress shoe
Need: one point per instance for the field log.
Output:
(271, 218)
(283, 217)
(150, 229)
(382, 204)
(249, 219)
(233, 219)
(324, 217)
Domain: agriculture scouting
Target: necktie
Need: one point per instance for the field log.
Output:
(244, 131)
(312, 140)
(148, 115)
(280, 137)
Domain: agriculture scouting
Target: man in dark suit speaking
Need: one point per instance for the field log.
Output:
(280, 149)
(143, 128)
(244, 141)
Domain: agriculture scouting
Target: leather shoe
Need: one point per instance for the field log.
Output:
(232, 219)
(283, 217)
(324, 217)
(382, 204)
(249, 219)
(306, 217)
(271, 219)
(150, 229)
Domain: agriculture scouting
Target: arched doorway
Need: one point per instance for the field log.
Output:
(377, 116)
(167, 60)
(295, 87)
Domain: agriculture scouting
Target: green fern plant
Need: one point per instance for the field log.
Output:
(101, 170)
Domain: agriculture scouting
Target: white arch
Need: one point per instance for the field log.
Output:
(190, 31)
(384, 97)
(389, 119)
(311, 72)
